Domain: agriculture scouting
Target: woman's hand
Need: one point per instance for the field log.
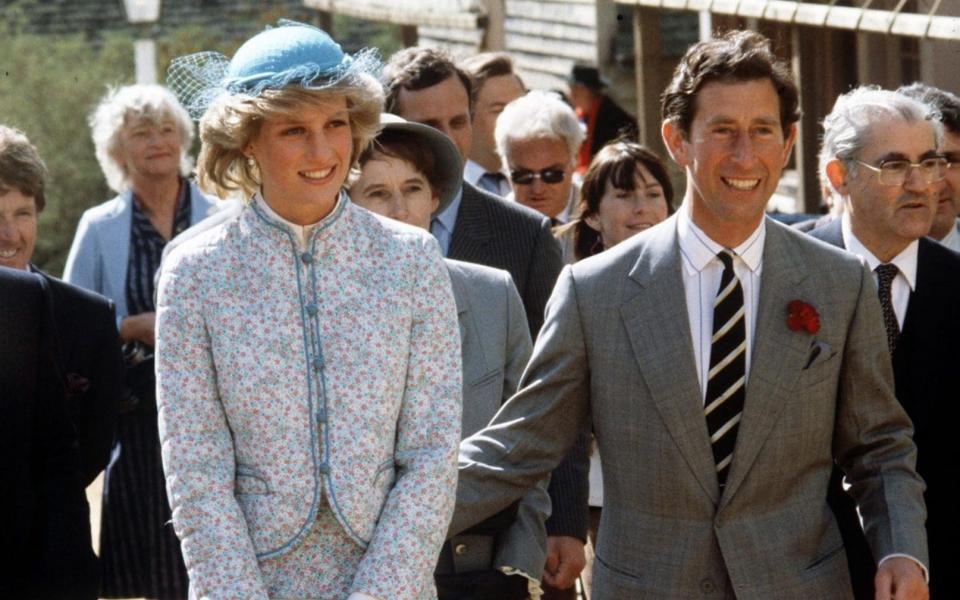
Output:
(139, 328)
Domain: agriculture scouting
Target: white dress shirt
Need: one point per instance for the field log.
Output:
(906, 262)
(701, 282)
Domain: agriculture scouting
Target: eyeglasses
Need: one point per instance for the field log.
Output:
(526, 176)
(896, 172)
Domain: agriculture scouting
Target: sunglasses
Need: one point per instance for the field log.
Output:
(526, 176)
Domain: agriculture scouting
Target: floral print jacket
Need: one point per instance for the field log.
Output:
(287, 377)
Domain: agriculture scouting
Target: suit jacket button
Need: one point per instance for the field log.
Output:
(323, 469)
(460, 549)
(312, 310)
(707, 587)
(318, 363)
(307, 258)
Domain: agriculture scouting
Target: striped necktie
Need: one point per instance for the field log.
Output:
(726, 382)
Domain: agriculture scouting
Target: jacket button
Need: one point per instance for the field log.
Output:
(318, 363)
(321, 416)
(312, 310)
(323, 469)
(460, 549)
(707, 587)
(307, 258)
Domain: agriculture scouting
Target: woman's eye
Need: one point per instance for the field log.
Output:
(293, 131)
(337, 123)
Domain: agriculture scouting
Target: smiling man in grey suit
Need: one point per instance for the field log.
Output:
(725, 362)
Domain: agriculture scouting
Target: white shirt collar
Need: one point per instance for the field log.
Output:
(906, 261)
(699, 250)
(952, 239)
(302, 232)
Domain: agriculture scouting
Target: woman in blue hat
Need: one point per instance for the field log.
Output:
(308, 361)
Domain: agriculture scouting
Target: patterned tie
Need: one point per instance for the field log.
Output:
(491, 182)
(885, 276)
(726, 382)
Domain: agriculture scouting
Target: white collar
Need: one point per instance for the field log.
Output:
(302, 232)
(906, 261)
(699, 250)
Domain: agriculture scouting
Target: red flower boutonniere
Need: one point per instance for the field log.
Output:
(802, 316)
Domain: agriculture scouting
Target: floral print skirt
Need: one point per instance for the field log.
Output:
(321, 567)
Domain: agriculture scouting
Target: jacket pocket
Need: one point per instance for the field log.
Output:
(250, 480)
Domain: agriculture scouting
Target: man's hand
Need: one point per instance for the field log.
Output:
(900, 578)
(139, 327)
(565, 559)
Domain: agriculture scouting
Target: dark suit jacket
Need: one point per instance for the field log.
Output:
(92, 367)
(512, 237)
(44, 522)
(612, 122)
(509, 236)
(924, 366)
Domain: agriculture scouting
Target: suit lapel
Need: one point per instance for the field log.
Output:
(657, 325)
(472, 229)
(461, 298)
(777, 356)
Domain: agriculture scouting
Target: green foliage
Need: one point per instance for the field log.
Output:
(48, 86)
(354, 34)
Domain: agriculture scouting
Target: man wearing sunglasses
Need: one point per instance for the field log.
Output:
(538, 136)
(887, 165)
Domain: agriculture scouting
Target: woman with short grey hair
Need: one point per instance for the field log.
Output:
(141, 134)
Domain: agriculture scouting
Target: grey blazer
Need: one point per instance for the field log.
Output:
(616, 348)
(495, 345)
(100, 251)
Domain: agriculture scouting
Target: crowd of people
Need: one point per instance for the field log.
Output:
(411, 331)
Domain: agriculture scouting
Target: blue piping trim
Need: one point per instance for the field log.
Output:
(312, 516)
(334, 504)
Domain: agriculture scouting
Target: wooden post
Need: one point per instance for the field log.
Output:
(649, 58)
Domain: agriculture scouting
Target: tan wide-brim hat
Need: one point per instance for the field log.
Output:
(449, 165)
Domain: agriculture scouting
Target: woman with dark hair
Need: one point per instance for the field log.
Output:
(625, 191)
(308, 369)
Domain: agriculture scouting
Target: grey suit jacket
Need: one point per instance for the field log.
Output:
(616, 348)
(495, 345)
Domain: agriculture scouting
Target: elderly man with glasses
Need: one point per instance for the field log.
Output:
(887, 165)
(538, 136)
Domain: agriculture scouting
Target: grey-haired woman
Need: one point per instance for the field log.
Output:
(141, 134)
(308, 363)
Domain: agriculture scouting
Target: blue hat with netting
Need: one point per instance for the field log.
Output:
(291, 53)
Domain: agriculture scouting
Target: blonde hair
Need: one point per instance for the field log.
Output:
(234, 120)
(117, 109)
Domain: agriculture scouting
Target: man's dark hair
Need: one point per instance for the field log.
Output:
(483, 66)
(735, 57)
(21, 167)
(946, 105)
(418, 68)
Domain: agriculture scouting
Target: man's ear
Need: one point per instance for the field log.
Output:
(675, 142)
(837, 175)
